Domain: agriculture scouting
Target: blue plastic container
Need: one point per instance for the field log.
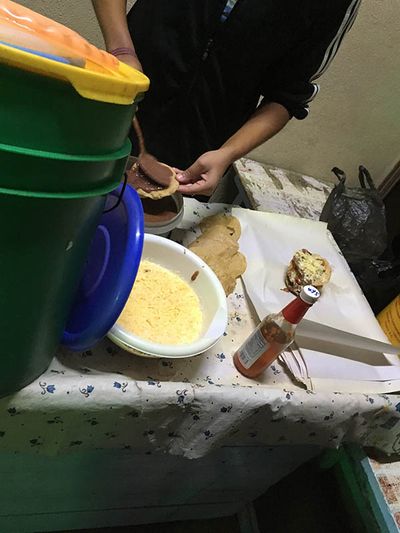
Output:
(110, 271)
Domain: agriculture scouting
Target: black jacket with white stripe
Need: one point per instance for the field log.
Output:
(207, 76)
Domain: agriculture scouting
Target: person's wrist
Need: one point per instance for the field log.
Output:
(123, 51)
(227, 155)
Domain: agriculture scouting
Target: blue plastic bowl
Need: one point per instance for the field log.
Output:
(110, 272)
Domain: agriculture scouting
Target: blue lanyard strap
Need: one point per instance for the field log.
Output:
(230, 4)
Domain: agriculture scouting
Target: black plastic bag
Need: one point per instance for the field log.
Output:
(356, 218)
(380, 281)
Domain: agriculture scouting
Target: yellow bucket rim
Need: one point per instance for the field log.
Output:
(115, 87)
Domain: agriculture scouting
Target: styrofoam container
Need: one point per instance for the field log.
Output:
(207, 286)
(165, 228)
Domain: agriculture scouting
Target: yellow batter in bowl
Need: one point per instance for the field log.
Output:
(162, 308)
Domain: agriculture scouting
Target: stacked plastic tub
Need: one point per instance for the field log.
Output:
(63, 148)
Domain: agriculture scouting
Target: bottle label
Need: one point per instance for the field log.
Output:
(253, 349)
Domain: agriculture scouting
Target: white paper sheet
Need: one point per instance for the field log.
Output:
(311, 330)
(269, 241)
(345, 369)
(353, 386)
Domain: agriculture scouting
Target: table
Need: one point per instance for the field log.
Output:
(267, 188)
(106, 398)
(104, 422)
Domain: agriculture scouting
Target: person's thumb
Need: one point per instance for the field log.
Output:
(191, 174)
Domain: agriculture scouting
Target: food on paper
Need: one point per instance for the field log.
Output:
(218, 247)
(227, 223)
(307, 268)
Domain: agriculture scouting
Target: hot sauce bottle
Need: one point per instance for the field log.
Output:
(273, 335)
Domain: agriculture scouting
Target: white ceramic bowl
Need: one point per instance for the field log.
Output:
(185, 263)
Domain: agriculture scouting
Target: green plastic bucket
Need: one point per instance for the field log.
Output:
(33, 170)
(43, 113)
(63, 147)
(44, 241)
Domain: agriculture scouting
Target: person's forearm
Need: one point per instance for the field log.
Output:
(266, 122)
(203, 176)
(111, 15)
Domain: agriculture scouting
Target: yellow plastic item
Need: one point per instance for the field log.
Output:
(389, 320)
(102, 77)
(22, 26)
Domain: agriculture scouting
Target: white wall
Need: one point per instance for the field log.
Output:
(356, 118)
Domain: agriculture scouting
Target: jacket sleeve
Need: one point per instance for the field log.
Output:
(293, 83)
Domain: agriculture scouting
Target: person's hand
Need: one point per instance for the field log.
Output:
(203, 176)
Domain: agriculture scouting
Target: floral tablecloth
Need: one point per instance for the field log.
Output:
(107, 398)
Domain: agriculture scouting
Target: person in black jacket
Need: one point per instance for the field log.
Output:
(226, 75)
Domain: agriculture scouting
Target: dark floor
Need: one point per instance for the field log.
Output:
(308, 501)
(207, 526)
(223, 525)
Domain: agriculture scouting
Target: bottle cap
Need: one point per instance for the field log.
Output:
(309, 294)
